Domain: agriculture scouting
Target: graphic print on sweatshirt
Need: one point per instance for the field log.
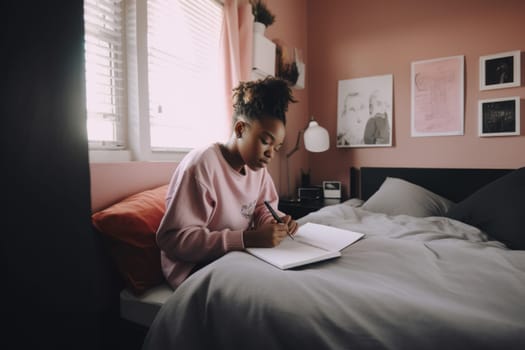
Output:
(248, 209)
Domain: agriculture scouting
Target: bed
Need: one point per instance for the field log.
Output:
(441, 266)
(127, 200)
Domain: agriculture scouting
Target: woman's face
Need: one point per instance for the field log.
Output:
(260, 140)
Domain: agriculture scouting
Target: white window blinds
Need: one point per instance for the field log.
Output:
(183, 61)
(104, 57)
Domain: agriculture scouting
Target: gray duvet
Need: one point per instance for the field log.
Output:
(411, 283)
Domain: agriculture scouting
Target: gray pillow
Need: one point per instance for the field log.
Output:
(397, 197)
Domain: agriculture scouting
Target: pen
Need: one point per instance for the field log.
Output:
(276, 217)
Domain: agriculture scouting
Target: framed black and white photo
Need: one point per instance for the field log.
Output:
(499, 117)
(364, 112)
(499, 71)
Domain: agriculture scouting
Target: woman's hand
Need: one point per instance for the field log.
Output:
(265, 236)
(291, 223)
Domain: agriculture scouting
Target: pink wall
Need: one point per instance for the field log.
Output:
(112, 182)
(344, 39)
(290, 28)
(351, 39)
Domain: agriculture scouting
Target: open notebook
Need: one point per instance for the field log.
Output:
(313, 243)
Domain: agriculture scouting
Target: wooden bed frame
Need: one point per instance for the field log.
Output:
(453, 183)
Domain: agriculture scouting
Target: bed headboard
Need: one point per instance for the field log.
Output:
(453, 183)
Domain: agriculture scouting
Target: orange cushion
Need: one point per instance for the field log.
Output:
(131, 225)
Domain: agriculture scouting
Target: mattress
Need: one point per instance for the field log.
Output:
(143, 309)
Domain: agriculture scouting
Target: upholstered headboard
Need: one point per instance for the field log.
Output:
(452, 183)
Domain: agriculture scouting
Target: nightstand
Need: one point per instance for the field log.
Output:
(297, 209)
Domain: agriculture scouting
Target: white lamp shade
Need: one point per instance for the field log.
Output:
(316, 138)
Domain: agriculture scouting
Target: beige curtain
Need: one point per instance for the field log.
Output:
(236, 45)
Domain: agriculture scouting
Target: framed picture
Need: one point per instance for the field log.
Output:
(437, 97)
(501, 70)
(332, 189)
(499, 117)
(364, 112)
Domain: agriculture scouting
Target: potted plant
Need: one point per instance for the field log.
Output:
(261, 14)
(286, 66)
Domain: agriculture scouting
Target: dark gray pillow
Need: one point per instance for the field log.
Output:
(498, 209)
(397, 197)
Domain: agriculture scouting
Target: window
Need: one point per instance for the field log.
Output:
(179, 105)
(104, 57)
(184, 91)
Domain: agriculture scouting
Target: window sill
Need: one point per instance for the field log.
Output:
(109, 156)
(114, 156)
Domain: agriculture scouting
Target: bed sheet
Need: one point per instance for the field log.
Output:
(411, 283)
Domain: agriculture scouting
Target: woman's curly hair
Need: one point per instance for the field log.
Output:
(262, 98)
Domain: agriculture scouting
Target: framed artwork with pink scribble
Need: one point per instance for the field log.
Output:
(437, 97)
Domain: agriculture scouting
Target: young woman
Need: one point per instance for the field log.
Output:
(215, 200)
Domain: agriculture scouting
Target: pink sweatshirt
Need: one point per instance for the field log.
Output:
(208, 206)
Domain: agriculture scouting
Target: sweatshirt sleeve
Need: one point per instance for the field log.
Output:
(183, 233)
(267, 193)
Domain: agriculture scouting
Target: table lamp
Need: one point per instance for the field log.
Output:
(316, 139)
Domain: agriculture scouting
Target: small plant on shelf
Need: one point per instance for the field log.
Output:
(261, 13)
(286, 68)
